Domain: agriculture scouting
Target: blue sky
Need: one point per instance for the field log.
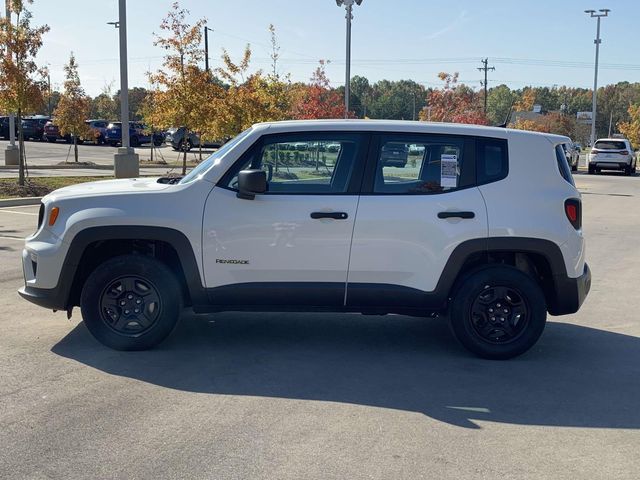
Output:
(532, 42)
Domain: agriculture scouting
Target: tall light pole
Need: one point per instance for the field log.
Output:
(206, 47)
(348, 5)
(126, 162)
(603, 12)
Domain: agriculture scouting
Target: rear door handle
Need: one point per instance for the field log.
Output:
(334, 215)
(456, 215)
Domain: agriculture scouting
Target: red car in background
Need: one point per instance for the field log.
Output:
(52, 133)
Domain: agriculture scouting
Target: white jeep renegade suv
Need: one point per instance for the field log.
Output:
(482, 224)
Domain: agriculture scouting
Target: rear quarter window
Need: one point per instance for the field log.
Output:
(563, 165)
(492, 160)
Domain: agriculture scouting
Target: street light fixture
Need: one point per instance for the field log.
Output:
(603, 12)
(348, 5)
(115, 24)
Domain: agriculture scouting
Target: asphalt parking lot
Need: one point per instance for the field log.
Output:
(319, 396)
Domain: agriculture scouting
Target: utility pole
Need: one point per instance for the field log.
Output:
(485, 68)
(413, 116)
(206, 47)
(49, 88)
(604, 12)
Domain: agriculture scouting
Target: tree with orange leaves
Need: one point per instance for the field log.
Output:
(184, 94)
(21, 81)
(454, 102)
(318, 99)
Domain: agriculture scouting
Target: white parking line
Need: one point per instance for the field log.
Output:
(12, 238)
(3, 210)
(22, 206)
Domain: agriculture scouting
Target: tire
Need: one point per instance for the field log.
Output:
(157, 142)
(51, 139)
(592, 170)
(134, 142)
(574, 168)
(134, 280)
(487, 290)
(185, 145)
(627, 170)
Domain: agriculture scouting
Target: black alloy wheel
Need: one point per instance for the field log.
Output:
(499, 314)
(130, 305)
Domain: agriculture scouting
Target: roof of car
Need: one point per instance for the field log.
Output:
(402, 126)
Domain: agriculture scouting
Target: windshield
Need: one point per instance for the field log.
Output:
(218, 154)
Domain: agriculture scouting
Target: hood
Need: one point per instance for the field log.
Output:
(107, 187)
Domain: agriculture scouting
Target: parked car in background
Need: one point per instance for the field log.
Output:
(138, 135)
(612, 154)
(178, 138)
(99, 128)
(52, 133)
(35, 127)
(4, 128)
(394, 154)
(29, 130)
(573, 155)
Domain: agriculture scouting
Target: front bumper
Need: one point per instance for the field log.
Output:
(570, 293)
(50, 298)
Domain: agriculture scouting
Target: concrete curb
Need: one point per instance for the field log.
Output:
(76, 167)
(18, 202)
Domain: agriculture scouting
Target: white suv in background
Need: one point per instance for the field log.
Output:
(481, 224)
(612, 154)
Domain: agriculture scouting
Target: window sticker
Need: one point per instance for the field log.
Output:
(448, 171)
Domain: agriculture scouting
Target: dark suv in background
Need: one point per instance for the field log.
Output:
(180, 139)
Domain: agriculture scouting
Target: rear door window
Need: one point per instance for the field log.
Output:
(421, 164)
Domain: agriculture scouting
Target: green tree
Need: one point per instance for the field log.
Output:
(500, 100)
(397, 100)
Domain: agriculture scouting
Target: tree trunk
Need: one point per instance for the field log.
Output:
(21, 162)
(200, 148)
(75, 147)
(184, 161)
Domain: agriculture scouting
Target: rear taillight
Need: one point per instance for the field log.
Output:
(594, 151)
(573, 210)
(624, 152)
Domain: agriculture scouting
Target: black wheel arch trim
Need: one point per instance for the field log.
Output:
(58, 298)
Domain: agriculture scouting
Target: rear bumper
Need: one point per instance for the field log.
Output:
(570, 293)
(609, 165)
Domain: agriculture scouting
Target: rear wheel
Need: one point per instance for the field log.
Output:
(185, 145)
(131, 302)
(134, 142)
(627, 170)
(498, 312)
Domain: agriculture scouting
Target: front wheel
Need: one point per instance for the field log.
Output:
(498, 312)
(131, 302)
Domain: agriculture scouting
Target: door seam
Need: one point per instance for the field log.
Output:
(353, 228)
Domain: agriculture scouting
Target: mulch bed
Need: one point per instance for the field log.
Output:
(30, 189)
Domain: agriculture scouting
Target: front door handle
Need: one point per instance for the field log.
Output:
(334, 215)
(456, 215)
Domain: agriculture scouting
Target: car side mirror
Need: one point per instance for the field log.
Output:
(250, 183)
